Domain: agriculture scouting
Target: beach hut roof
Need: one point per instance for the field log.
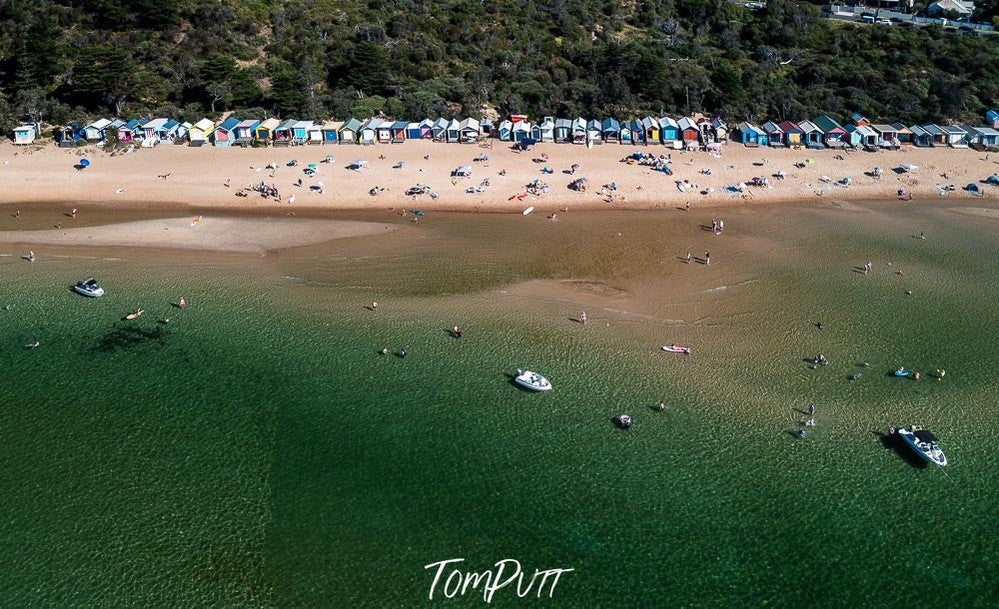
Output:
(507, 125)
(440, 123)
(787, 126)
(132, 124)
(548, 123)
(933, 129)
(522, 126)
(204, 124)
(665, 121)
(412, 125)
(99, 124)
(686, 123)
(229, 124)
(648, 122)
(593, 125)
(987, 131)
(992, 115)
(156, 123)
(899, 127)
(610, 124)
(826, 123)
(333, 126)
(247, 124)
(453, 124)
(772, 127)
(270, 124)
(865, 131)
(426, 123)
(949, 130)
(883, 128)
(563, 123)
(749, 127)
(399, 125)
(917, 130)
(579, 123)
(857, 117)
(116, 123)
(469, 123)
(351, 124)
(286, 124)
(809, 127)
(170, 125)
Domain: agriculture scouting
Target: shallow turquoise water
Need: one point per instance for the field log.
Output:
(257, 451)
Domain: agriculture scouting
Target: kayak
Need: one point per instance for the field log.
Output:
(902, 372)
(676, 349)
(528, 210)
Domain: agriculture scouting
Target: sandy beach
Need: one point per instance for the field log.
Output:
(210, 178)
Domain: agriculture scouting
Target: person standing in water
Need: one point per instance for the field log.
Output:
(582, 318)
(182, 303)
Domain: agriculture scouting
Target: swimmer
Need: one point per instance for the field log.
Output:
(32, 345)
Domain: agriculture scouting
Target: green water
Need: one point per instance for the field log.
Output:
(258, 451)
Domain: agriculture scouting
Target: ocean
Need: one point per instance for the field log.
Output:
(260, 451)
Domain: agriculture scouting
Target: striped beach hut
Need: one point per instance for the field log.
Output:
(594, 132)
(399, 132)
(505, 131)
(427, 129)
(127, 131)
(149, 128)
(563, 130)
(264, 132)
(579, 131)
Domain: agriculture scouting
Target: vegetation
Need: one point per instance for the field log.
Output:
(64, 59)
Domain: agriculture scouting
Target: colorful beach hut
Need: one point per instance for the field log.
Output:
(793, 135)
(440, 129)
(955, 136)
(468, 131)
(224, 134)
(331, 132)
(426, 129)
(868, 138)
(750, 135)
(521, 130)
(689, 133)
(167, 132)
(368, 133)
(887, 136)
(637, 132)
(384, 131)
(399, 132)
(904, 134)
(859, 119)
(921, 137)
(486, 127)
(348, 133)
(505, 131)
(775, 135)
(453, 134)
(833, 131)
(669, 131)
(25, 134)
(610, 130)
(149, 128)
(812, 135)
(127, 131)
(284, 133)
(563, 130)
(594, 132)
(94, 132)
(625, 132)
(992, 118)
(300, 131)
(983, 136)
(413, 131)
(719, 129)
(264, 132)
(68, 135)
(200, 131)
(651, 127)
(244, 132)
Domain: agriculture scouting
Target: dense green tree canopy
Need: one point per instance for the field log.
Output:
(416, 58)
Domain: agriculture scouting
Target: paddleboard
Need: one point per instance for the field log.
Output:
(528, 210)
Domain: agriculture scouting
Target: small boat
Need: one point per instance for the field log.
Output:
(528, 210)
(924, 443)
(532, 380)
(902, 372)
(89, 287)
(625, 421)
(676, 349)
(138, 313)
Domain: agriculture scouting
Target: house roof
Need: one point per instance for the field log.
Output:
(865, 131)
(610, 124)
(548, 123)
(371, 123)
(399, 125)
(749, 127)
(989, 131)
(469, 123)
(933, 129)
(24, 128)
(772, 127)
(227, 125)
(951, 5)
(884, 128)
(440, 123)
(992, 115)
(857, 117)
(170, 125)
(522, 126)
(593, 125)
(505, 125)
(953, 130)
(917, 130)
(132, 124)
(426, 123)
(809, 127)
(579, 123)
(99, 124)
(901, 128)
(248, 124)
(285, 125)
(686, 123)
(826, 123)
(333, 126)
(351, 124)
(789, 126)
(204, 124)
(649, 122)
(665, 121)
(156, 123)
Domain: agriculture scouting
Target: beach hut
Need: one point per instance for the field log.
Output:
(811, 135)
(859, 119)
(505, 131)
(981, 136)
(224, 134)
(669, 131)
(264, 131)
(384, 131)
(833, 131)
(689, 133)
(750, 135)
(453, 133)
(921, 137)
(887, 136)
(992, 118)
(651, 127)
(94, 132)
(793, 135)
(939, 137)
(67, 136)
(284, 133)
(25, 134)
(167, 132)
(904, 134)
(331, 132)
(955, 136)
(243, 133)
(637, 132)
(149, 128)
(610, 130)
(300, 131)
(440, 130)
(368, 133)
(625, 132)
(868, 138)
(579, 131)
(413, 131)
(705, 127)
(399, 132)
(545, 129)
(594, 132)
(521, 130)
(775, 135)
(468, 131)
(426, 129)
(127, 131)
(852, 138)
(720, 129)
(182, 131)
(563, 130)
(200, 131)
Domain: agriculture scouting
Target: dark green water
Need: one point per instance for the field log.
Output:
(257, 451)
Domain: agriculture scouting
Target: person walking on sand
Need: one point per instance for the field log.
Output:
(707, 258)
(721, 225)
(582, 318)
(374, 306)
(72, 214)
(688, 205)
(688, 257)
(811, 408)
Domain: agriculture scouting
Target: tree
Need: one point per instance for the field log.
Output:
(103, 75)
(368, 68)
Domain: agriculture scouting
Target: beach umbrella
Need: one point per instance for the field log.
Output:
(84, 163)
(994, 180)
(312, 165)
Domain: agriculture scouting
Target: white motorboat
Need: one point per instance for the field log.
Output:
(89, 287)
(676, 349)
(532, 380)
(924, 443)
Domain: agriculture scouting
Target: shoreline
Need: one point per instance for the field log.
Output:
(196, 178)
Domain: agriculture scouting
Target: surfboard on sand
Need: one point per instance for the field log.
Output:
(528, 210)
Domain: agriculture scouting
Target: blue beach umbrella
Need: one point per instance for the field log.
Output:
(84, 163)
